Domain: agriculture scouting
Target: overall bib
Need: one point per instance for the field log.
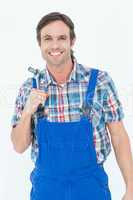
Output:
(66, 167)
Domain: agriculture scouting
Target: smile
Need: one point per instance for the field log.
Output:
(55, 53)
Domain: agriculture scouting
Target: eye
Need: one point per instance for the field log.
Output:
(47, 39)
(63, 38)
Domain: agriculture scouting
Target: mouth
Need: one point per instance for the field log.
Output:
(55, 54)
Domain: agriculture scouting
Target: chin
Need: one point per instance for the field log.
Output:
(58, 64)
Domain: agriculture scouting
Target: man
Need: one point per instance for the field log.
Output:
(69, 134)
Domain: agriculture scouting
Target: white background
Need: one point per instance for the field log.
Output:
(104, 32)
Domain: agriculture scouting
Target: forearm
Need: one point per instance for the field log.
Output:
(124, 158)
(21, 135)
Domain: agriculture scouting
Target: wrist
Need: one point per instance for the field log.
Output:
(129, 185)
(26, 114)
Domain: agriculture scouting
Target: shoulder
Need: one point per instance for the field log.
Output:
(103, 77)
(35, 73)
(26, 86)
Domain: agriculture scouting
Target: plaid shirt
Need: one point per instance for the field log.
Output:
(65, 104)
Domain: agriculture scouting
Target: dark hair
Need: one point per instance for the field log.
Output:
(54, 16)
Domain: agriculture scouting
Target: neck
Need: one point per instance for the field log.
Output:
(61, 73)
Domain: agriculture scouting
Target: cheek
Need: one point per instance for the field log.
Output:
(44, 47)
(66, 46)
(43, 53)
(44, 50)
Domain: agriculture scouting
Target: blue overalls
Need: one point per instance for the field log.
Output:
(66, 167)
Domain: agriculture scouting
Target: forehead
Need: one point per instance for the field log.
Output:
(55, 28)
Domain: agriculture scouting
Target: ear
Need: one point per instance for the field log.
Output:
(73, 42)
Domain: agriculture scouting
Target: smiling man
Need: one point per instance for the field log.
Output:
(55, 44)
(69, 133)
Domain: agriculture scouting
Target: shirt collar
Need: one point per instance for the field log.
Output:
(78, 73)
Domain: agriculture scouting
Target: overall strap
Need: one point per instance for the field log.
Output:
(91, 87)
(34, 83)
(35, 73)
(89, 102)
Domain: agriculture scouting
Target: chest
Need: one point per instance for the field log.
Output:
(65, 101)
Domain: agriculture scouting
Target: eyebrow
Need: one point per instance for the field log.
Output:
(46, 36)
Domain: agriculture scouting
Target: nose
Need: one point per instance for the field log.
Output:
(55, 44)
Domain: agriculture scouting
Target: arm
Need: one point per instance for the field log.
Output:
(113, 115)
(122, 149)
(21, 135)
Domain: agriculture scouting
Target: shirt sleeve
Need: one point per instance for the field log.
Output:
(112, 107)
(20, 101)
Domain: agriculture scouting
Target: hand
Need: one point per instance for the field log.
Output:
(35, 98)
(128, 195)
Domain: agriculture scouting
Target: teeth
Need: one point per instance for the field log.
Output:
(55, 53)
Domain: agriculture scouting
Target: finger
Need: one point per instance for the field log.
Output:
(43, 94)
(41, 99)
(39, 92)
(38, 102)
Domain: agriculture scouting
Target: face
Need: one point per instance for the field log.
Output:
(56, 44)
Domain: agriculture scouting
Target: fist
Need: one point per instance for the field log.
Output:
(35, 98)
